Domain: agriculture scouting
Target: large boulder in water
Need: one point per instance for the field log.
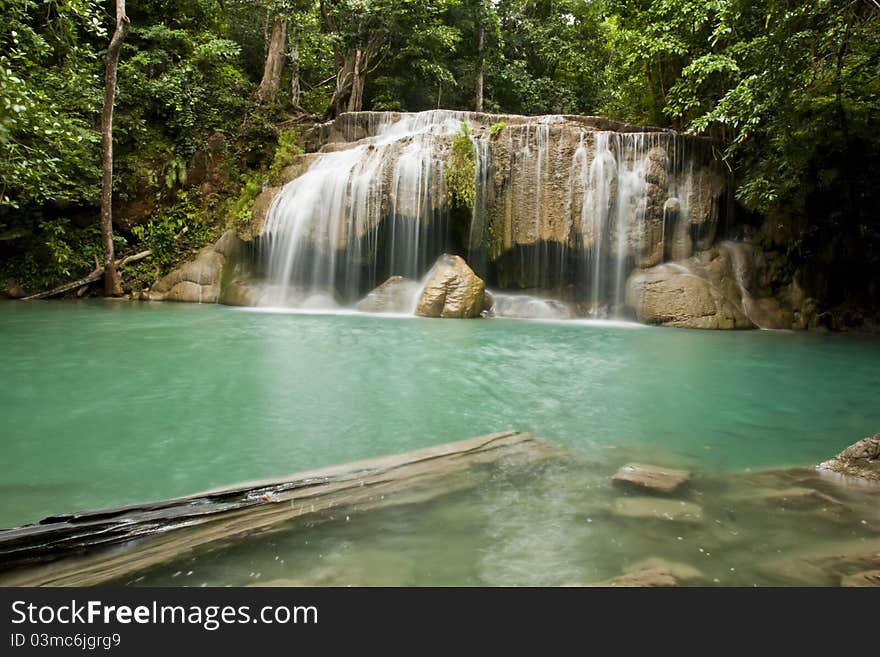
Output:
(701, 292)
(452, 290)
(396, 295)
(670, 296)
(859, 460)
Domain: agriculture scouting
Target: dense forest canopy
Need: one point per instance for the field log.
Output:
(210, 91)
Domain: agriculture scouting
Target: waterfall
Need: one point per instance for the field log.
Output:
(380, 201)
(564, 207)
(484, 172)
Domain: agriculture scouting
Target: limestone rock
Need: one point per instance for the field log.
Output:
(697, 293)
(396, 295)
(658, 161)
(259, 212)
(658, 508)
(859, 460)
(654, 573)
(672, 207)
(244, 292)
(868, 578)
(651, 477)
(705, 192)
(298, 167)
(199, 280)
(452, 290)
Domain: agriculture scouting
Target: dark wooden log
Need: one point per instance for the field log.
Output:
(70, 550)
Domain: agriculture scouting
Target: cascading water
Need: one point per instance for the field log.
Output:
(630, 198)
(375, 205)
(476, 255)
(371, 210)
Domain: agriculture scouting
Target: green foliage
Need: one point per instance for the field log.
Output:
(287, 151)
(50, 91)
(172, 235)
(238, 214)
(791, 90)
(496, 129)
(53, 252)
(548, 59)
(460, 173)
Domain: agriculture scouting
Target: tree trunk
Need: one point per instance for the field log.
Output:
(339, 101)
(481, 46)
(112, 286)
(355, 100)
(295, 91)
(271, 81)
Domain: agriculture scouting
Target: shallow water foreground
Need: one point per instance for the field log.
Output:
(565, 524)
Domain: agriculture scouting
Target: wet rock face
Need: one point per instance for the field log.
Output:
(452, 290)
(724, 287)
(395, 295)
(199, 280)
(859, 460)
(550, 183)
(670, 295)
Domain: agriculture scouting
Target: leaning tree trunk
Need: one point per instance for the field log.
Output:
(112, 286)
(481, 40)
(271, 81)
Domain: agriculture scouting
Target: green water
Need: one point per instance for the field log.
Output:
(555, 525)
(112, 403)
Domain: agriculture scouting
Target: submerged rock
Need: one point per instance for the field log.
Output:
(802, 499)
(651, 477)
(196, 281)
(395, 295)
(452, 290)
(658, 508)
(828, 565)
(868, 578)
(654, 573)
(859, 460)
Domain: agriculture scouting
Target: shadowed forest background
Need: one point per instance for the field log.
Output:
(213, 98)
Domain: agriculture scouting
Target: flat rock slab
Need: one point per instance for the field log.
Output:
(869, 578)
(651, 477)
(658, 508)
(803, 499)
